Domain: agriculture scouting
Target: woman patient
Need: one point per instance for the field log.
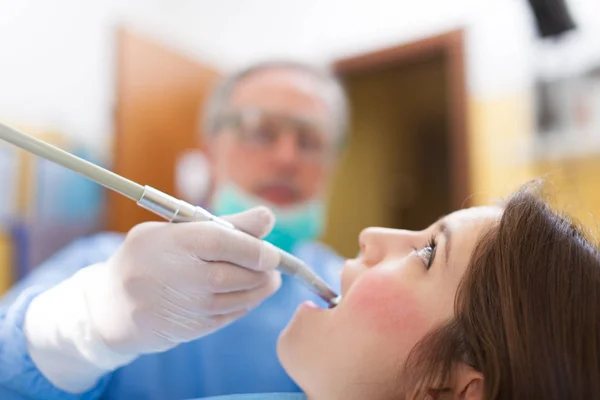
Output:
(487, 303)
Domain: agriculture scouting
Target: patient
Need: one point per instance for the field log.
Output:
(487, 303)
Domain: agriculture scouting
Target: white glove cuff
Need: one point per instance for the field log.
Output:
(62, 340)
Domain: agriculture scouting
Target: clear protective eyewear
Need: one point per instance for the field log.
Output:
(262, 129)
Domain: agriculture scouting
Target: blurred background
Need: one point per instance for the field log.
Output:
(454, 103)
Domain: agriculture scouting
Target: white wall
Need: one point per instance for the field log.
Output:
(234, 32)
(55, 65)
(503, 51)
(57, 57)
(578, 50)
(57, 62)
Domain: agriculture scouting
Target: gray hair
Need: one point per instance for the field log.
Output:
(333, 93)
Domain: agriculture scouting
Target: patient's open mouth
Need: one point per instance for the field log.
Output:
(309, 304)
(334, 302)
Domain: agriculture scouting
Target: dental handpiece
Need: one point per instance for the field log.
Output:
(162, 204)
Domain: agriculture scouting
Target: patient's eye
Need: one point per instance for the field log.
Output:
(427, 253)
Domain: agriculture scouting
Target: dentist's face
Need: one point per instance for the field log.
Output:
(276, 141)
(402, 286)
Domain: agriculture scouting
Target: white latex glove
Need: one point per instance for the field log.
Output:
(167, 284)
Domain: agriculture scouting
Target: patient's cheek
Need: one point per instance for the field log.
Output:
(386, 306)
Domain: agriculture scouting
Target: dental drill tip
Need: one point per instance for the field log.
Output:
(297, 268)
(335, 301)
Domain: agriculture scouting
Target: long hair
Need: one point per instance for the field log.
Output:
(527, 312)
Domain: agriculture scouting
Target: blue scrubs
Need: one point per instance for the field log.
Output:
(241, 358)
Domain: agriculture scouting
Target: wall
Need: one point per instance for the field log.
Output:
(234, 33)
(57, 63)
(57, 60)
(56, 69)
(502, 123)
(57, 57)
(383, 178)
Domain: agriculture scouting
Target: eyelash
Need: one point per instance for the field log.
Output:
(430, 249)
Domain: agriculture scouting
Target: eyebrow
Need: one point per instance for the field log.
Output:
(447, 233)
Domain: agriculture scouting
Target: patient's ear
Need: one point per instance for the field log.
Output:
(468, 384)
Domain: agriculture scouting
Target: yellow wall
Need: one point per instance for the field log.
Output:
(363, 176)
(5, 262)
(378, 161)
(500, 132)
(497, 128)
(26, 197)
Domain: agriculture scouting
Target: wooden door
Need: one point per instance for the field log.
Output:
(159, 97)
(406, 160)
(451, 46)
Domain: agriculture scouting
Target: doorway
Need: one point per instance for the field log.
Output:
(406, 161)
(159, 97)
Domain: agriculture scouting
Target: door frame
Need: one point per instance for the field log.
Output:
(451, 45)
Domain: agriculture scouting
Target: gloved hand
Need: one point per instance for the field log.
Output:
(167, 284)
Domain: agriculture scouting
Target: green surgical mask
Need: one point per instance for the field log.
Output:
(293, 224)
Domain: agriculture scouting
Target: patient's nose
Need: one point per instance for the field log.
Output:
(378, 243)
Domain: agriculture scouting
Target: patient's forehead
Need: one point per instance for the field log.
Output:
(467, 227)
(474, 215)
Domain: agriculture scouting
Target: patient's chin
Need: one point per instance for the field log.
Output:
(300, 343)
(292, 338)
(289, 353)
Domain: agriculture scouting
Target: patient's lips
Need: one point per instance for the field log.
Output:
(309, 305)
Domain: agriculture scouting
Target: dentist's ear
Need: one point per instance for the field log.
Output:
(192, 176)
(468, 384)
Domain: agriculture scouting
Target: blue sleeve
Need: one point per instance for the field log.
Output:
(79, 254)
(19, 377)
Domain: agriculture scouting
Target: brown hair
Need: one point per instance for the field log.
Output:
(527, 312)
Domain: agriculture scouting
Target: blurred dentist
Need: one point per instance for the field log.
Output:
(169, 311)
